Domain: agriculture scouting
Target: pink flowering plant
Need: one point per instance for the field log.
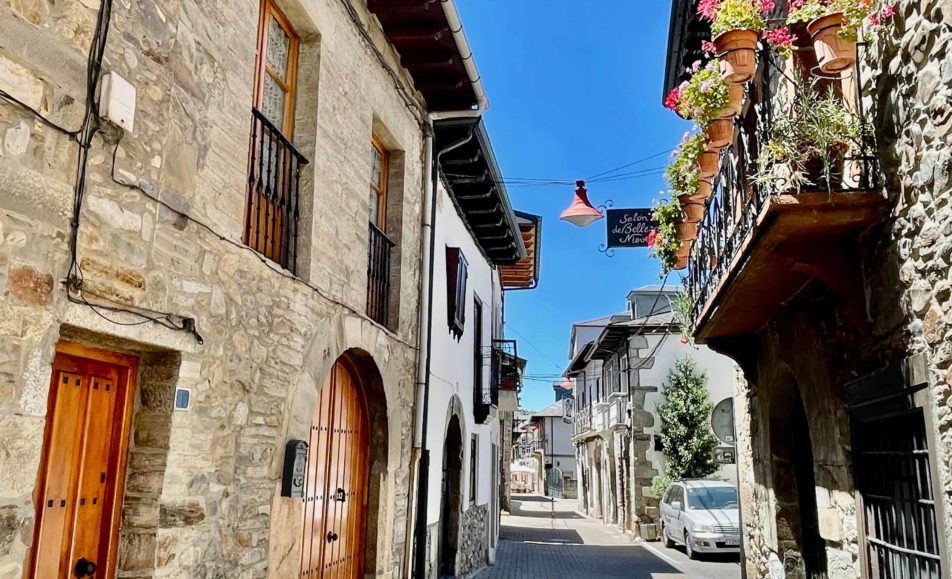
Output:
(727, 15)
(683, 173)
(782, 40)
(705, 95)
(855, 13)
(666, 241)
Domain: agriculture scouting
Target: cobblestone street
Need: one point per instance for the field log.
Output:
(540, 539)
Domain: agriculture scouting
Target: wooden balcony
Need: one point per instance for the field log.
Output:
(761, 242)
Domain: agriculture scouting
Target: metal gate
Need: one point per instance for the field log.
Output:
(894, 474)
(555, 482)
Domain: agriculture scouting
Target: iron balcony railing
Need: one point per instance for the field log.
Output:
(274, 179)
(378, 276)
(583, 420)
(506, 374)
(731, 215)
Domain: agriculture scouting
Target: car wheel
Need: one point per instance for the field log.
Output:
(668, 541)
(688, 549)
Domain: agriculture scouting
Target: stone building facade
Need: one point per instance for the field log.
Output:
(853, 363)
(232, 348)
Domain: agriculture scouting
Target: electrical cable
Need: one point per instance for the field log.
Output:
(39, 116)
(221, 237)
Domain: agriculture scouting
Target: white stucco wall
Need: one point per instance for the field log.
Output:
(720, 383)
(452, 366)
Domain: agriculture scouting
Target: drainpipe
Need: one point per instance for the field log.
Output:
(469, 62)
(424, 358)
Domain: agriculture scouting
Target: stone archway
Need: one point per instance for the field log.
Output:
(793, 481)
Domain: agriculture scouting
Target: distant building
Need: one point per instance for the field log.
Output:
(619, 365)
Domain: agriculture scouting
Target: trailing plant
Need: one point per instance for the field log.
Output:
(664, 243)
(686, 437)
(683, 173)
(817, 128)
(855, 13)
(683, 307)
(705, 95)
(727, 15)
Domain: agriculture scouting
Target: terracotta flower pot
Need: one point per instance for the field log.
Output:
(737, 50)
(680, 263)
(705, 189)
(720, 133)
(686, 231)
(834, 54)
(692, 206)
(708, 165)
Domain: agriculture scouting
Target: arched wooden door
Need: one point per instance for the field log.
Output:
(335, 508)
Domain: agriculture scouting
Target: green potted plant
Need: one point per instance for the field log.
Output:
(684, 172)
(664, 241)
(736, 26)
(807, 145)
(705, 99)
(834, 27)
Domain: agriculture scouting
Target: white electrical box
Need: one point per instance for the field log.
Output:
(117, 101)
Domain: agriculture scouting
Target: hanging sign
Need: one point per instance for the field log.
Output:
(629, 227)
(568, 410)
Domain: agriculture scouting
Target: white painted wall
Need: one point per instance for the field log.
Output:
(452, 366)
(720, 383)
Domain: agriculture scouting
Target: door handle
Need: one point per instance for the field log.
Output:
(331, 536)
(84, 568)
(340, 496)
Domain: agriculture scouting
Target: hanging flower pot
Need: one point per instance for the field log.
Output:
(720, 133)
(710, 159)
(705, 189)
(680, 263)
(833, 52)
(737, 50)
(686, 231)
(736, 92)
(692, 206)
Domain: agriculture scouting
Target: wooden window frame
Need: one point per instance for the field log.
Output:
(381, 189)
(457, 274)
(270, 9)
(478, 366)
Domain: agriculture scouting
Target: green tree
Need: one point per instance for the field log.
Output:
(686, 437)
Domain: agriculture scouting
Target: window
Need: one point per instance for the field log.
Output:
(378, 185)
(276, 68)
(456, 276)
(274, 164)
(478, 350)
(473, 442)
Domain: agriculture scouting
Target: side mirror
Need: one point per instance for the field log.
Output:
(676, 505)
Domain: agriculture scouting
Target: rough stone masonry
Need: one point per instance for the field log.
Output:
(202, 495)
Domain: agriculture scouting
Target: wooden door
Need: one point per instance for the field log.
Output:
(78, 494)
(335, 509)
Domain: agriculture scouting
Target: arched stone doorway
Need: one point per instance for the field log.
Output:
(794, 483)
(346, 447)
(451, 501)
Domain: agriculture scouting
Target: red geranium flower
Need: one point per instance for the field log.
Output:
(652, 238)
(673, 99)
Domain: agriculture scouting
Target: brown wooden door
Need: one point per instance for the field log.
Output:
(79, 488)
(335, 508)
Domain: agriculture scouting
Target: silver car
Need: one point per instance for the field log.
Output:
(702, 515)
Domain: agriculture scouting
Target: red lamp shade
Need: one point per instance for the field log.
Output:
(581, 212)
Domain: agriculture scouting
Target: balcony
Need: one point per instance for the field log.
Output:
(507, 369)
(583, 421)
(761, 241)
(378, 276)
(274, 178)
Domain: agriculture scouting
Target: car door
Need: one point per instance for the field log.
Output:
(677, 512)
(666, 506)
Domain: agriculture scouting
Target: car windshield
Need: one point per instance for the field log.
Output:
(712, 498)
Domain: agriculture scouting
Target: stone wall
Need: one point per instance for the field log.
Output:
(906, 265)
(473, 540)
(203, 485)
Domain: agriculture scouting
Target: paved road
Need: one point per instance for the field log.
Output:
(542, 539)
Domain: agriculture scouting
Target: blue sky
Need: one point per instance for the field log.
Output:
(575, 89)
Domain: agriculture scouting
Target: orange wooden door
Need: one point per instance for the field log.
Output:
(335, 507)
(79, 487)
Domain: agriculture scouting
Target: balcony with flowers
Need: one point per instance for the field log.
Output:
(779, 178)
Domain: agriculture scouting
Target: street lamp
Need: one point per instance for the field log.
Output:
(580, 212)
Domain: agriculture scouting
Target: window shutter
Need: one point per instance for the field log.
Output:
(456, 277)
